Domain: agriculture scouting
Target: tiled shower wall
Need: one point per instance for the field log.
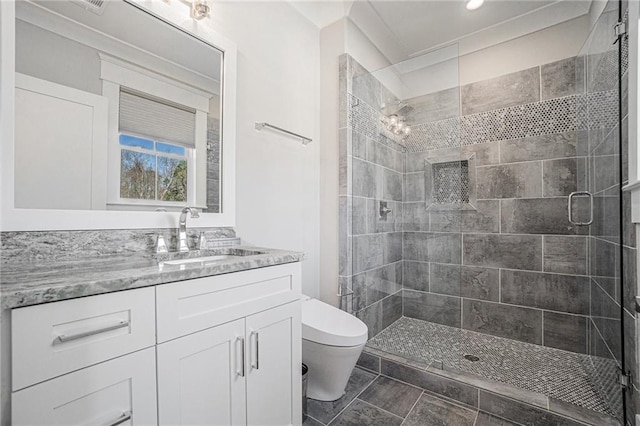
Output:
(515, 267)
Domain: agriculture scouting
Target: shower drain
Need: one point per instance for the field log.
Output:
(471, 358)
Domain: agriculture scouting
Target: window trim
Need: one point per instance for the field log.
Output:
(116, 74)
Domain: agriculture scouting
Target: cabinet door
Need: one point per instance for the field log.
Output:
(274, 360)
(201, 378)
(117, 392)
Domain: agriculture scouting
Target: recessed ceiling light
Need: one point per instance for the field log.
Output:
(474, 4)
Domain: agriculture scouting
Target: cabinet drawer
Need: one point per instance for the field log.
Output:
(56, 338)
(120, 391)
(189, 306)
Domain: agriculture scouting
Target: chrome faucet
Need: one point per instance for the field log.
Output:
(182, 231)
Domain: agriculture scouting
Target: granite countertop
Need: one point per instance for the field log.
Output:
(24, 284)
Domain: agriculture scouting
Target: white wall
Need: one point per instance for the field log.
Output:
(278, 82)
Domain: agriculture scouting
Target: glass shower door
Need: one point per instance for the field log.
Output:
(600, 131)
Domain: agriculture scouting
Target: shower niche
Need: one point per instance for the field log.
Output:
(450, 183)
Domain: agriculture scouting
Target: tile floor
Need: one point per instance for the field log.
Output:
(563, 375)
(372, 399)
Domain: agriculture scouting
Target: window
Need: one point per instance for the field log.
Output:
(152, 170)
(157, 143)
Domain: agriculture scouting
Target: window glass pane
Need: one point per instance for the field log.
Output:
(170, 149)
(137, 142)
(137, 175)
(172, 179)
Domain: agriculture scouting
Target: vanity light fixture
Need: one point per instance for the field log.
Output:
(396, 125)
(474, 4)
(200, 9)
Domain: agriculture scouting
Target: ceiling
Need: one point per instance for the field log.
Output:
(404, 29)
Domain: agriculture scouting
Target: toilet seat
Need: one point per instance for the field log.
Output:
(327, 325)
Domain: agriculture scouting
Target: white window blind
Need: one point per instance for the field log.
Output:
(165, 121)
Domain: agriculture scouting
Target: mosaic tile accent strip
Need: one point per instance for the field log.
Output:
(451, 182)
(366, 120)
(540, 118)
(558, 374)
(598, 109)
(558, 115)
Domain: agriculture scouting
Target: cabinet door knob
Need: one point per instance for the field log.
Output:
(240, 369)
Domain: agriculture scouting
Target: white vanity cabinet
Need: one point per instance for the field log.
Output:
(245, 371)
(218, 350)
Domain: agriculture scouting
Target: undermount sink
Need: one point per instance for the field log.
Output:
(206, 257)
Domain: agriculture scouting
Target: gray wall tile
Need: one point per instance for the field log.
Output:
(485, 219)
(602, 303)
(392, 249)
(564, 293)
(382, 282)
(560, 145)
(523, 180)
(606, 172)
(432, 307)
(539, 216)
(513, 89)
(414, 186)
(364, 178)
(432, 247)
(480, 283)
(606, 213)
(558, 78)
(567, 332)
(382, 314)
(567, 255)
(445, 279)
(368, 252)
(432, 382)
(392, 185)
(466, 281)
(415, 216)
(486, 154)
(416, 275)
(434, 106)
(503, 251)
(512, 322)
(355, 215)
(564, 176)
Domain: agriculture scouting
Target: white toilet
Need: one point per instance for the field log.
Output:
(332, 341)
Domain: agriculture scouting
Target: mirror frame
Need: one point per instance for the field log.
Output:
(176, 14)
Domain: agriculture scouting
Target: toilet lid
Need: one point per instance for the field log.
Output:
(327, 325)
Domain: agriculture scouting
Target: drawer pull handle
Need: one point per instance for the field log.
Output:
(126, 416)
(256, 365)
(69, 337)
(240, 371)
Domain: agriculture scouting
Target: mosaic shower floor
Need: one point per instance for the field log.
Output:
(556, 373)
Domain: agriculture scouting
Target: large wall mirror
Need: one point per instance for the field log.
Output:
(125, 107)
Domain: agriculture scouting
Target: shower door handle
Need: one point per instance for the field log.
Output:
(570, 207)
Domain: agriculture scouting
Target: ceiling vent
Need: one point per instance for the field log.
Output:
(94, 6)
